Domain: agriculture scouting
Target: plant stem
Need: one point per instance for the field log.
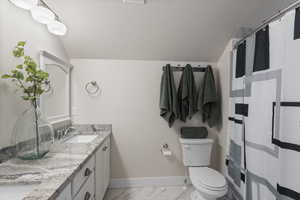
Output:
(23, 87)
(36, 128)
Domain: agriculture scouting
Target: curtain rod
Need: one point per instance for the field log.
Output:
(267, 21)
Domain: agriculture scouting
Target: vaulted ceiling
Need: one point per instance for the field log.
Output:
(179, 30)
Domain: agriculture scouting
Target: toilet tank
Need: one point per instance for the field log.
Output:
(196, 152)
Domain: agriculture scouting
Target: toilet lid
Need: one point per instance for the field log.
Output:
(208, 178)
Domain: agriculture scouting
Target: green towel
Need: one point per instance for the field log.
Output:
(208, 100)
(187, 98)
(168, 101)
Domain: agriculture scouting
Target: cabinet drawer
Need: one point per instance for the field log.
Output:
(65, 194)
(83, 175)
(87, 191)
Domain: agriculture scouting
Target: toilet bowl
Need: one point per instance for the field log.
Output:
(208, 183)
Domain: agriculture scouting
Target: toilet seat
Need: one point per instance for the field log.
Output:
(204, 177)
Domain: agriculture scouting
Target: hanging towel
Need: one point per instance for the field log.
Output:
(168, 101)
(187, 98)
(208, 99)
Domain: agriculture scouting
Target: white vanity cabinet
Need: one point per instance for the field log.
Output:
(92, 180)
(102, 170)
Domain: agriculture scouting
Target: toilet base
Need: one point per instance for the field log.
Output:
(197, 196)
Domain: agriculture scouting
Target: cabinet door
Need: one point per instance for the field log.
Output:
(99, 175)
(87, 191)
(82, 175)
(106, 163)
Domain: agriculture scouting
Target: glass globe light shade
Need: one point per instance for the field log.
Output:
(25, 4)
(42, 15)
(57, 28)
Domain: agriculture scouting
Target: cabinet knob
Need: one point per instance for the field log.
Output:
(87, 172)
(87, 196)
(104, 148)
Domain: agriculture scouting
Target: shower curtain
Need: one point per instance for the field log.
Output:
(263, 160)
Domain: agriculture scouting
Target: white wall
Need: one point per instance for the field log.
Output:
(17, 24)
(129, 102)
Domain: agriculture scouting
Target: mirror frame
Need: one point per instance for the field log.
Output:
(67, 68)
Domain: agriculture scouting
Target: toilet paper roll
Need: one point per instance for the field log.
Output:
(166, 152)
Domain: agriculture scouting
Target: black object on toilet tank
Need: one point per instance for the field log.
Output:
(193, 132)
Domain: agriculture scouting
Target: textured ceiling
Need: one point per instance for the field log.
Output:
(179, 30)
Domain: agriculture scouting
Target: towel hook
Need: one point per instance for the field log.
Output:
(92, 88)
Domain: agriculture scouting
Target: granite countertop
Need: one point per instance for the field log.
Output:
(52, 173)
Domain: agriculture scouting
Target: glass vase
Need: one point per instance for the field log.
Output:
(33, 135)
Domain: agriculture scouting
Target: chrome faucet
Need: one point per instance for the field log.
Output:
(68, 130)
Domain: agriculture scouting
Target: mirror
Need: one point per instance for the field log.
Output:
(55, 104)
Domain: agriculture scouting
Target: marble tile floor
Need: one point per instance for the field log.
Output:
(151, 193)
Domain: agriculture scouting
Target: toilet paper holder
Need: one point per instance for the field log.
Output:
(165, 150)
(165, 146)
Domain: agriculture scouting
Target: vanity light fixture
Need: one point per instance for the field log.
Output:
(42, 13)
(25, 4)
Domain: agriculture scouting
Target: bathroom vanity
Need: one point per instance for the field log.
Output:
(77, 168)
(92, 180)
(78, 164)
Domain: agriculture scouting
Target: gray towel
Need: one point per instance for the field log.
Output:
(187, 98)
(208, 102)
(194, 132)
(168, 102)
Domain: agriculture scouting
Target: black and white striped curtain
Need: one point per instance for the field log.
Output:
(264, 154)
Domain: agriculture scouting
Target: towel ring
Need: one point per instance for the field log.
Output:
(92, 87)
(49, 88)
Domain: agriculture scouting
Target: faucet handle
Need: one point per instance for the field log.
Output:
(68, 130)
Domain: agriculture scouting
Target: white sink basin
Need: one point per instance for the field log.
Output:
(82, 139)
(15, 192)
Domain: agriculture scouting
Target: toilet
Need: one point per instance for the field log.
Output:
(208, 183)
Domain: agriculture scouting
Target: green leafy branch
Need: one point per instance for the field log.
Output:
(27, 76)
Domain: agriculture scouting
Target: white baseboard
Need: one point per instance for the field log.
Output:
(149, 181)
